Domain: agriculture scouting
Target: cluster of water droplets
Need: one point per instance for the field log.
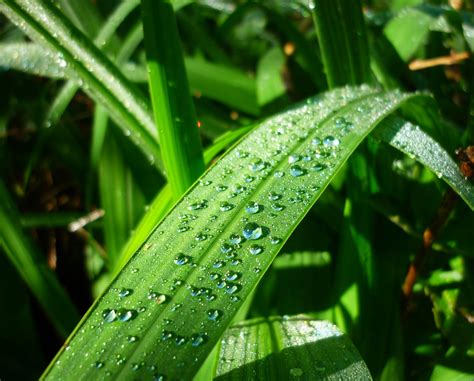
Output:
(207, 255)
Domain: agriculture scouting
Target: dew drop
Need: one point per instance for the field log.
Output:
(278, 174)
(236, 262)
(252, 231)
(235, 239)
(296, 372)
(232, 275)
(226, 248)
(232, 288)
(253, 207)
(294, 158)
(318, 167)
(200, 237)
(199, 339)
(198, 205)
(257, 165)
(273, 196)
(160, 299)
(98, 364)
(224, 206)
(218, 264)
(124, 292)
(179, 340)
(296, 171)
(109, 315)
(214, 276)
(330, 141)
(132, 339)
(220, 188)
(181, 259)
(277, 207)
(214, 315)
(126, 315)
(255, 249)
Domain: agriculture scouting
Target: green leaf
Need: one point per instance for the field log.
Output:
(288, 348)
(413, 141)
(270, 76)
(215, 245)
(173, 108)
(43, 22)
(33, 269)
(343, 41)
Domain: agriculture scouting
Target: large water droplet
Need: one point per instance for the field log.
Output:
(124, 292)
(255, 249)
(182, 259)
(126, 315)
(232, 275)
(330, 141)
(198, 205)
(199, 339)
(200, 237)
(109, 315)
(253, 207)
(214, 315)
(318, 167)
(296, 171)
(257, 165)
(232, 288)
(225, 206)
(235, 239)
(252, 230)
(294, 158)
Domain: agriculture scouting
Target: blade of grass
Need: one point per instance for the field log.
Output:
(283, 348)
(343, 41)
(172, 105)
(33, 269)
(413, 141)
(45, 23)
(172, 292)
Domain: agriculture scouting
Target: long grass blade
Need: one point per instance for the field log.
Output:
(172, 105)
(169, 305)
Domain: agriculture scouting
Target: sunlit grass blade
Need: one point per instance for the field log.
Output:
(343, 41)
(33, 269)
(162, 203)
(42, 21)
(173, 108)
(295, 347)
(217, 242)
(416, 143)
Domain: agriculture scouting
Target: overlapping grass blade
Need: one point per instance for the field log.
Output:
(42, 21)
(416, 143)
(173, 108)
(295, 347)
(33, 269)
(344, 48)
(171, 302)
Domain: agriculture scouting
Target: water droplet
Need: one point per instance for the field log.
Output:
(182, 259)
(249, 179)
(236, 262)
(183, 227)
(199, 339)
(237, 189)
(278, 174)
(132, 339)
(98, 364)
(296, 171)
(152, 295)
(214, 315)
(257, 165)
(124, 292)
(226, 248)
(294, 158)
(225, 206)
(221, 284)
(200, 237)
(167, 335)
(255, 249)
(214, 276)
(220, 188)
(318, 167)
(136, 366)
(275, 240)
(198, 205)
(330, 141)
(316, 142)
(232, 288)
(232, 275)
(277, 207)
(234, 298)
(235, 239)
(109, 315)
(179, 340)
(218, 264)
(273, 196)
(253, 207)
(242, 154)
(126, 315)
(160, 299)
(252, 231)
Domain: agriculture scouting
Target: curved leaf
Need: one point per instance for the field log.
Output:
(288, 348)
(416, 143)
(171, 302)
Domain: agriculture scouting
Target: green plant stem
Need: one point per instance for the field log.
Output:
(343, 41)
(172, 105)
